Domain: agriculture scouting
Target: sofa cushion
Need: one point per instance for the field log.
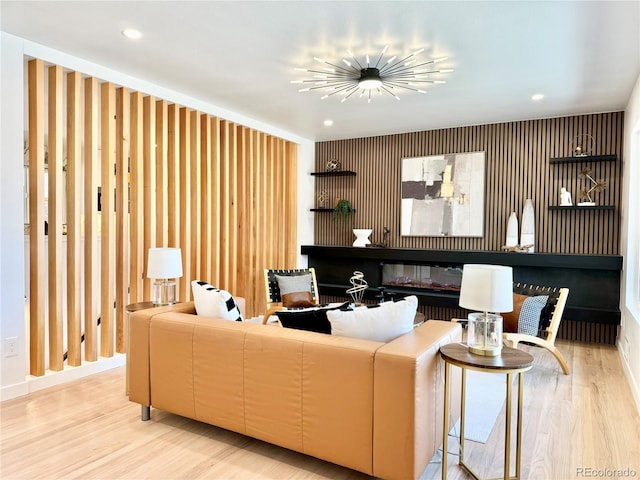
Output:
(295, 290)
(313, 320)
(526, 314)
(210, 301)
(382, 324)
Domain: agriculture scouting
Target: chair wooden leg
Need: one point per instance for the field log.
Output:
(563, 363)
(270, 312)
(511, 343)
(512, 340)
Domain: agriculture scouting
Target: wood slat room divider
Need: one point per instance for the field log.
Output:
(141, 172)
(518, 167)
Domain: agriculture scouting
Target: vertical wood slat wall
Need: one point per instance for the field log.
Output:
(55, 218)
(74, 198)
(517, 168)
(168, 176)
(91, 130)
(37, 285)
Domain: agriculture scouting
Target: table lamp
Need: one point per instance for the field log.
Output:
(488, 288)
(164, 264)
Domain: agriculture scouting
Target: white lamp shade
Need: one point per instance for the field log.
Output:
(487, 288)
(164, 263)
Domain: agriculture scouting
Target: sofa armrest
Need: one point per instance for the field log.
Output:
(138, 356)
(408, 400)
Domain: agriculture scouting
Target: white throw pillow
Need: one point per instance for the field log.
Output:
(382, 324)
(213, 302)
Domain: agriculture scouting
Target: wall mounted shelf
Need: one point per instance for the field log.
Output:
(583, 159)
(324, 210)
(585, 207)
(339, 173)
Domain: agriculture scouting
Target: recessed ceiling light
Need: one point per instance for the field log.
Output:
(537, 96)
(132, 33)
(328, 123)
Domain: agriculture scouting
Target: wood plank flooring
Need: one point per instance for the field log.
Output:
(89, 430)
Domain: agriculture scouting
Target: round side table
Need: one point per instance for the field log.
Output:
(510, 361)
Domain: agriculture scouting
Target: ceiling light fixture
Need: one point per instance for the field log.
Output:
(536, 97)
(132, 33)
(328, 122)
(384, 76)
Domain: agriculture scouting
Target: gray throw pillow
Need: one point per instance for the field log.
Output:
(294, 283)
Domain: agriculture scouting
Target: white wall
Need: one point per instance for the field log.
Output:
(629, 338)
(11, 217)
(14, 378)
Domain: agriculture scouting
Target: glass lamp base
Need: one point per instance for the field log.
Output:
(486, 351)
(484, 335)
(163, 293)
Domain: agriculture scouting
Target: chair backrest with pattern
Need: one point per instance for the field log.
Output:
(552, 312)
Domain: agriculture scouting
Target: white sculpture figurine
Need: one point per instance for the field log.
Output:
(565, 197)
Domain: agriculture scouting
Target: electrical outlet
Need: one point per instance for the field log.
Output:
(11, 346)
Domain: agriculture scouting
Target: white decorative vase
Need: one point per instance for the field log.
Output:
(527, 234)
(512, 230)
(362, 237)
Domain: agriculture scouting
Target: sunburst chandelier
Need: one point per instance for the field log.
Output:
(384, 76)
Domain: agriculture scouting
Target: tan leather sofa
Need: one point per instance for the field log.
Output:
(369, 406)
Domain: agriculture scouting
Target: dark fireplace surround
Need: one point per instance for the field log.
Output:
(592, 313)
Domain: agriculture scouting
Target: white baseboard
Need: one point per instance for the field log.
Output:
(69, 374)
(633, 386)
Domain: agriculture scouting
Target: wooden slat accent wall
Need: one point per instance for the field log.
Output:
(91, 173)
(517, 168)
(55, 216)
(37, 284)
(149, 198)
(216, 202)
(136, 207)
(107, 233)
(122, 213)
(169, 175)
(74, 197)
(185, 204)
(173, 180)
(195, 196)
(206, 184)
(161, 153)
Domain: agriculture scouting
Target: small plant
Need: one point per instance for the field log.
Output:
(343, 210)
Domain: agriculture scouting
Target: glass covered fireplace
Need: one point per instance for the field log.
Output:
(426, 277)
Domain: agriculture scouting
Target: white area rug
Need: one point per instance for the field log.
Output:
(485, 398)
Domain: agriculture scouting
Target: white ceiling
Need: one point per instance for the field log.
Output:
(584, 56)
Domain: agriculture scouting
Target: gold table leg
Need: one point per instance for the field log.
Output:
(507, 429)
(445, 424)
(519, 434)
(463, 409)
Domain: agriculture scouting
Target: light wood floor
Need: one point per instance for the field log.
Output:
(89, 430)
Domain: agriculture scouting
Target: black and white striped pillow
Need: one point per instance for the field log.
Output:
(213, 302)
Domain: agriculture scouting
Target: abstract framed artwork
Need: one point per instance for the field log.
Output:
(443, 195)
